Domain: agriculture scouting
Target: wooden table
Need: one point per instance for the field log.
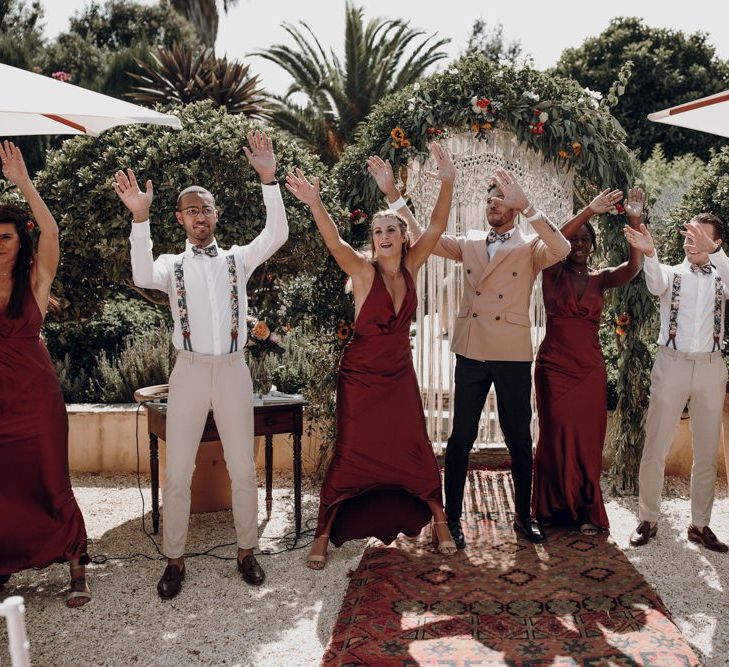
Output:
(270, 419)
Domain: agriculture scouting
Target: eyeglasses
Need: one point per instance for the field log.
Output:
(194, 211)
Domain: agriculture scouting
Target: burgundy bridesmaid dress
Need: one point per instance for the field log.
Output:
(383, 471)
(40, 522)
(571, 389)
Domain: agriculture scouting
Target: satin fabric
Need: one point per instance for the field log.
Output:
(571, 390)
(40, 521)
(383, 471)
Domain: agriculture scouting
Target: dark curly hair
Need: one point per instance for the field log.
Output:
(16, 216)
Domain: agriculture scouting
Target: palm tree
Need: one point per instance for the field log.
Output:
(203, 14)
(339, 96)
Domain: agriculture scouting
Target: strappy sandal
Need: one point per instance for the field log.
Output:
(446, 547)
(589, 529)
(316, 562)
(79, 591)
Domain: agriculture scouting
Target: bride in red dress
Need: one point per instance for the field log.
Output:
(383, 479)
(569, 374)
(40, 522)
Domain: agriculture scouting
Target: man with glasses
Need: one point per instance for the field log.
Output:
(206, 285)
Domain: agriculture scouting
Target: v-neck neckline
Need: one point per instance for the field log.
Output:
(396, 311)
(573, 286)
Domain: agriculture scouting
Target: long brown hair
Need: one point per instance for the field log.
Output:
(16, 216)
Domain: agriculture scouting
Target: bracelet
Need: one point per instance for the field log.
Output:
(398, 203)
(273, 182)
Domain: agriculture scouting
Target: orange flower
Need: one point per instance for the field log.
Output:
(405, 143)
(576, 147)
(486, 126)
(620, 331)
(397, 134)
(475, 127)
(564, 155)
(344, 330)
(623, 320)
(260, 331)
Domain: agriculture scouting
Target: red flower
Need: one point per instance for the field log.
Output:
(483, 102)
(357, 216)
(30, 225)
(619, 208)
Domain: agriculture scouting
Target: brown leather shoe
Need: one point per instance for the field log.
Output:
(252, 572)
(643, 533)
(171, 582)
(706, 538)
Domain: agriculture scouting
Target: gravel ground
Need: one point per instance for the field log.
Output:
(219, 620)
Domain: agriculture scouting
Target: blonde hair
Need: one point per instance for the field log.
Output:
(370, 253)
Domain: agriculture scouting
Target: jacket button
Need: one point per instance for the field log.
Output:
(514, 274)
(498, 317)
(475, 314)
(501, 296)
(478, 293)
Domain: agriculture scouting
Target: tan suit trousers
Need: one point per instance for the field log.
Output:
(678, 378)
(198, 382)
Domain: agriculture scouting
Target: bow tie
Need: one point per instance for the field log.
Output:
(706, 268)
(495, 236)
(210, 251)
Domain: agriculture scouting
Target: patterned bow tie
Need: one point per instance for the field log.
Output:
(210, 251)
(495, 236)
(706, 268)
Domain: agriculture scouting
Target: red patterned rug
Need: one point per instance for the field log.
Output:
(573, 600)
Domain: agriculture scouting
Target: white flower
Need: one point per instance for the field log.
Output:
(452, 70)
(580, 100)
(531, 96)
(505, 62)
(543, 117)
(496, 105)
(416, 86)
(594, 94)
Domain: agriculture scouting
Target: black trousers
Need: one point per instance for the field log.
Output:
(513, 383)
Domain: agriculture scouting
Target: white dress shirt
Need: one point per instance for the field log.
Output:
(695, 319)
(207, 285)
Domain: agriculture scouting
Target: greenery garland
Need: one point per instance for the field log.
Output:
(567, 125)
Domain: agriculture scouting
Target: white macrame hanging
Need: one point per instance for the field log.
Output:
(440, 281)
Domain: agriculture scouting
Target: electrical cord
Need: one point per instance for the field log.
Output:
(289, 540)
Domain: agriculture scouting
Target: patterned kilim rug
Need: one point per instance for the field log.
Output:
(573, 600)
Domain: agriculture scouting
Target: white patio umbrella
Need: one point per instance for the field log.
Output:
(709, 114)
(34, 104)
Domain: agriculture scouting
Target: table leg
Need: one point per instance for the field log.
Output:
(297, 483)
(269, 473)
(154, 470)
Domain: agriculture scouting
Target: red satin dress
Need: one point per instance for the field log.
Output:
(383, 471)
(40, 522)
(571, 390)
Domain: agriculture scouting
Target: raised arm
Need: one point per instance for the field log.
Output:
(146, 272)
(657, 279)
(446, 245)
(620, 275)
(307, 192)
(602, 203)
(275, 233)
(48, 252)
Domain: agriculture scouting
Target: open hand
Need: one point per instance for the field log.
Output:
(381, 171)
(14, 168)
(260, 155)
(636, 203)
(299, 186)
(641, 239)
(605, 201)
(513, 195)
(137, 201)
(697, 240)
(446, 170)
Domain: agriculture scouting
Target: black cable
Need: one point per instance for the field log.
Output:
(289, 540)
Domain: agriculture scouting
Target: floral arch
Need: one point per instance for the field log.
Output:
(562, 142)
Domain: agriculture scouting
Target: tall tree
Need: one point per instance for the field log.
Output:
(491, 43)
(670, 67)
(203, 14)
(381, 56)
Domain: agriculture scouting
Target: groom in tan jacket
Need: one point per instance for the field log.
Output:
(492, 338)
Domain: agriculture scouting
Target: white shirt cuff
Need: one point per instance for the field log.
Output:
(539, 214)
(140, 230)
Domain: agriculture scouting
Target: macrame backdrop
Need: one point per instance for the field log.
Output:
(440, 281)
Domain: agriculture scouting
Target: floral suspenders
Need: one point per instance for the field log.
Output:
(673, 317)
(182, 304)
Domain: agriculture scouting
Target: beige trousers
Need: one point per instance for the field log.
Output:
(198, 382)
(677, 378)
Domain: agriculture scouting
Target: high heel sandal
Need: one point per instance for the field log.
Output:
(446, 547)
(313, 560)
